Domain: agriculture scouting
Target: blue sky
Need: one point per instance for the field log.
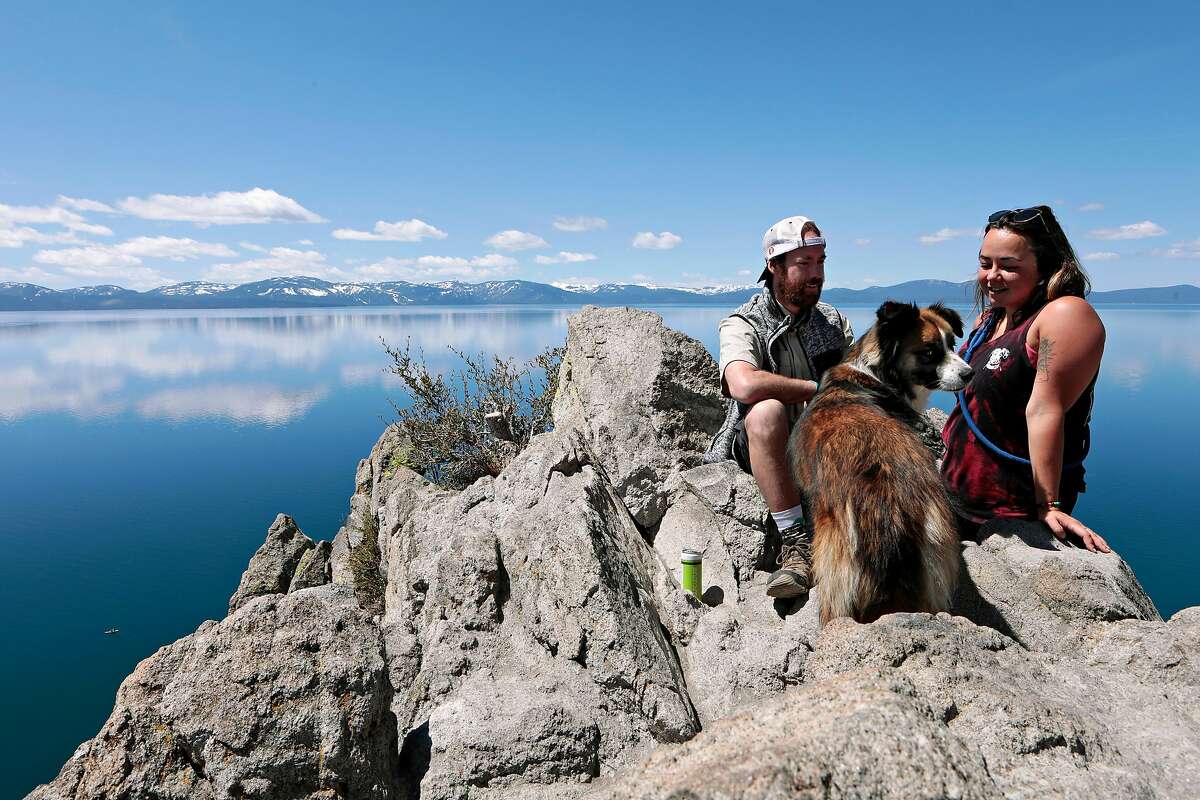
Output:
(153, 143)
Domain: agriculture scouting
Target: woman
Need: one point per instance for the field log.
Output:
(1036, 349)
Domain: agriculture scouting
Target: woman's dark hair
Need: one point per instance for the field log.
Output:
(1059, 271)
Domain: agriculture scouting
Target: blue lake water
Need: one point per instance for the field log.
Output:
(143, 455)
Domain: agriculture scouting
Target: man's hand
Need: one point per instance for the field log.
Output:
(749, 385)
(1061, 523)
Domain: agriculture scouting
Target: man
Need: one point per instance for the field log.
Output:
(773, 351)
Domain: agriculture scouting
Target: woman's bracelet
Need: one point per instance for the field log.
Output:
(1052, 505)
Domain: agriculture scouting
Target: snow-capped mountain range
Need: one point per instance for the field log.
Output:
(304, 291)
(313, 292)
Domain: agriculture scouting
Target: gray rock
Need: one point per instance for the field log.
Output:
(313, 569)
(496, 734)
(739, 653)
(647, 399)
(1047, 595)
(1046, 723)
(274, 563)
(740, 517)
(286, 698)
(861, 735)
(538, 580)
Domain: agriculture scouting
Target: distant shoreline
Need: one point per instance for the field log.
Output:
(304, 292)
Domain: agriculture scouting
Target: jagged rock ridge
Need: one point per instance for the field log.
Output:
(527, 637)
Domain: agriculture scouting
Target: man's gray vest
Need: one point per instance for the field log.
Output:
(821, 337)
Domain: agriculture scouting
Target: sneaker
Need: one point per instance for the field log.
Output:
(791, 579)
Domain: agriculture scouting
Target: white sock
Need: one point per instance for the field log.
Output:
(786, 519)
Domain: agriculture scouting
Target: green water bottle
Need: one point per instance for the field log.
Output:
(693, 571)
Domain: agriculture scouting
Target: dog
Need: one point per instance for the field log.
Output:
(884, 536)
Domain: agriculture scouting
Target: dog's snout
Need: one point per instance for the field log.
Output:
(966, 373)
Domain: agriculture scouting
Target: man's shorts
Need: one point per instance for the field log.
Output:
(741, 446)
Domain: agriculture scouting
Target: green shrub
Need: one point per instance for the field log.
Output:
(364, 561)
(473, 421)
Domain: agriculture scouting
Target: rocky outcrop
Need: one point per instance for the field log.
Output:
(527, 637)
(648, 397)
(287, 697)
(274, 566)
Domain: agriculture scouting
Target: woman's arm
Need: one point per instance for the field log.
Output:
(1070, 341)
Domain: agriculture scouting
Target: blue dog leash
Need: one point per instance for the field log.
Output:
(977, 338)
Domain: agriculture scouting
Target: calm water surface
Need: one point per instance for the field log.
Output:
(144, 454)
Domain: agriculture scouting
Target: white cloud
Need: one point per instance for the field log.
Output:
(80, 204)
(493, 260)
(1103, 255)
(172, 248)
(386, 269)
(579, 224)
(130, 253)
(744, 272)
(946, 234)
(127, 276)
(1092, 207)
(39, 215)
(862, 242)
(252, 247)
(20, 235)
(92, 256)
(279, 261)
(95, 230)
(565, 257)
(408, 230)
(1181, 250)
(516, 240)
(31, 275)
(256, 206)
(434, 268)
(49, 215)
(1138, 230)
(122, 264)
(662, 241)
(305, 242)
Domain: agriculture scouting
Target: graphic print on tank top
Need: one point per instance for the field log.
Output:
(997, 358)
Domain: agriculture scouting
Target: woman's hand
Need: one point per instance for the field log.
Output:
(1061, 523)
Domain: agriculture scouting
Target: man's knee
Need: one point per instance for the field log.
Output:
(766, 419)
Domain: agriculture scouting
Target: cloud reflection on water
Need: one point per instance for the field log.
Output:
(269, 367)
(241, 403)
(247, 366)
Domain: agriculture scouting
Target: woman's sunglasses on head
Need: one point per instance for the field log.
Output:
(1018, 216)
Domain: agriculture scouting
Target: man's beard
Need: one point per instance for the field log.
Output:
(802, 296)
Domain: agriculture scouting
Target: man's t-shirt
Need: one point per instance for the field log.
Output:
(739, 343)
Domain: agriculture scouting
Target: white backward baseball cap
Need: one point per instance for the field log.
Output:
(785, 236)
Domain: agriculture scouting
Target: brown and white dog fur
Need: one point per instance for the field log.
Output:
(884, 537)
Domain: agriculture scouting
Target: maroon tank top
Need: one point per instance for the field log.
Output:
(987, 485)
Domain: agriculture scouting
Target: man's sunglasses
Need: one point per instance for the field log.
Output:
(1018, 216)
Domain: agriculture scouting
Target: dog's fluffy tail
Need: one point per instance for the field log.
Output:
(875, 555)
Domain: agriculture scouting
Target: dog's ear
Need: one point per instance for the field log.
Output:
(893, 319)
(892, 322)
(950, 315)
